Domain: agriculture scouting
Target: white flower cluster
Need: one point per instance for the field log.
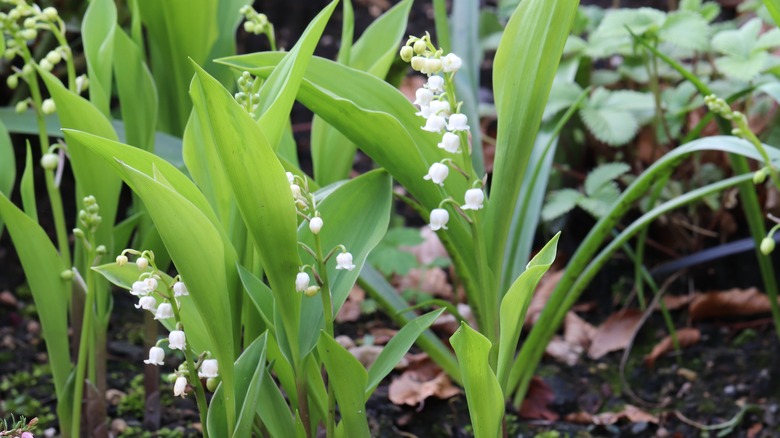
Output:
(149, 290)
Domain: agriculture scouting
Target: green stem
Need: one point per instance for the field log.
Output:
(489, 307)
(327, 310)
(84, 342)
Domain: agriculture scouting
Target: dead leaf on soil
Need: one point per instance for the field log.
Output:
(685, 336)
(448, 324)
(431, 280)
(629, 413)
(430, 249)
(350, 310)
(733, 302)
(674, 302)
(537, 402)
(563, 351)
(422, 379)
(410, 84)
(542, 296)
(615, 333)
(577, 331)
(366, 354)
(382, 335)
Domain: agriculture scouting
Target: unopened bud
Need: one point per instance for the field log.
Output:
(48, 107)
(311, 291)
(46, 65)
(142, 263)
(249, 27)
(29, 34)
(211, 383)
(29, 23)
(760, 176)
(66, 275)
(78, 233)
(101, 250)
(315, 225)
(50, 161)
(407, 53)
(50, 13)
(21, 106)
(121, 260)
(418, 63)
(420, 47)
(12, 81)
(767, 245)
(54, 56)
(433, 65)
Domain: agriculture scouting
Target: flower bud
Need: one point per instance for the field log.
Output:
(212, 383)
(12, 81)
(101, 250)
(418, 63)
(48, 106)
(54, 56)
(66, 275)
(420, 47)
(142, 263)
(407, 53)
(50, 13)
(432, 65)
(21, 106)
(315, 225)
(760, 176)
(78, 233)
(311, 291)
(29, 34)
(301, 282)
(121, 260)
(249, 27)
(180, 387)
(29, 23)
(439, 219)
(50, 161)
(767, 245)
(82, 82)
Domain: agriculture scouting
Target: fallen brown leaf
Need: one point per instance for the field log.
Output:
(563, 351)
(733, 302)
(537, 402)
(448, 324)
(674, 302)
(685, 337)
(422, 379)
(542, 296)
(350, 310)
(615, 333)
(366, 354)
(410, 84)
(382, 335)
(629, 413)
(577, 331)
(431, 280)
(430, 249)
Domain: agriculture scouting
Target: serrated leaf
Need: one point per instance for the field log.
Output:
(601, 202)
(562, 96)
(613, 117)
(391, 260)
(603, 175)
(743, 69)
(685, 29)
(559, 203)
(738, 42)
(611, 36)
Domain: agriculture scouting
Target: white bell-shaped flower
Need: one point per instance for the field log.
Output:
(344, 261)
(458, 122)
(435, 124)
(180, 387)
(176, 340)
(156, 356)
(121, 260)
(450, 142)
(290, 177)
(147, 303)
(315, 225)
(432, 65)
(180, 289)
(209, 369)
(439, 219)
(440, 108)
(296, 190)
(423, 97)
(165, 311)
(475, 199)
(451, 63)
(301, 281)
(435, 84)
(425, 111)
(437, 173)
(139, 289)
(150, 284)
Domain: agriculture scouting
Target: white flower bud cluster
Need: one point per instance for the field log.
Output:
(247, 97)
(255, 23)
(21, 25)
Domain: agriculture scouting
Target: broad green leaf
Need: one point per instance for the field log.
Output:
(397, 347)
(515, 304)
(376, 48)
(92, 177)
(355, 215)
(124, 276)
(273, 410)
(200, 156)
(7, 166)
(42, 267)
(745, 49)
(600, 203)
(611, 36)
(522, 78)
(686, 29)
(278, 92)
(559, 203)
(173, 41)
(261, 296)
(261, 189)
(97, 32)
(602, 175)
(27, 188)
(349, 379)
(773, 6)
(483, 393)
(250, 373)
(137, 92)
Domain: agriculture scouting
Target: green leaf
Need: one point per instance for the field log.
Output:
(397, 347)
(349, 380)
(250, 373)
(522, 78)
(262, 192)
(7, 165)
(600, 203)
(137, 92)
(686, 29)
(515, 304)
(261, 296)
(744, 49)
(273, 410)
(391, 260)
(611, 36)
(602, 175)
(97, 32)
(278, 92)
(559, 203)
(483, 392)
(42, 267)
(27, 188)
(773, 6)
(562, 96)
(613, 116)
(355, 215)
